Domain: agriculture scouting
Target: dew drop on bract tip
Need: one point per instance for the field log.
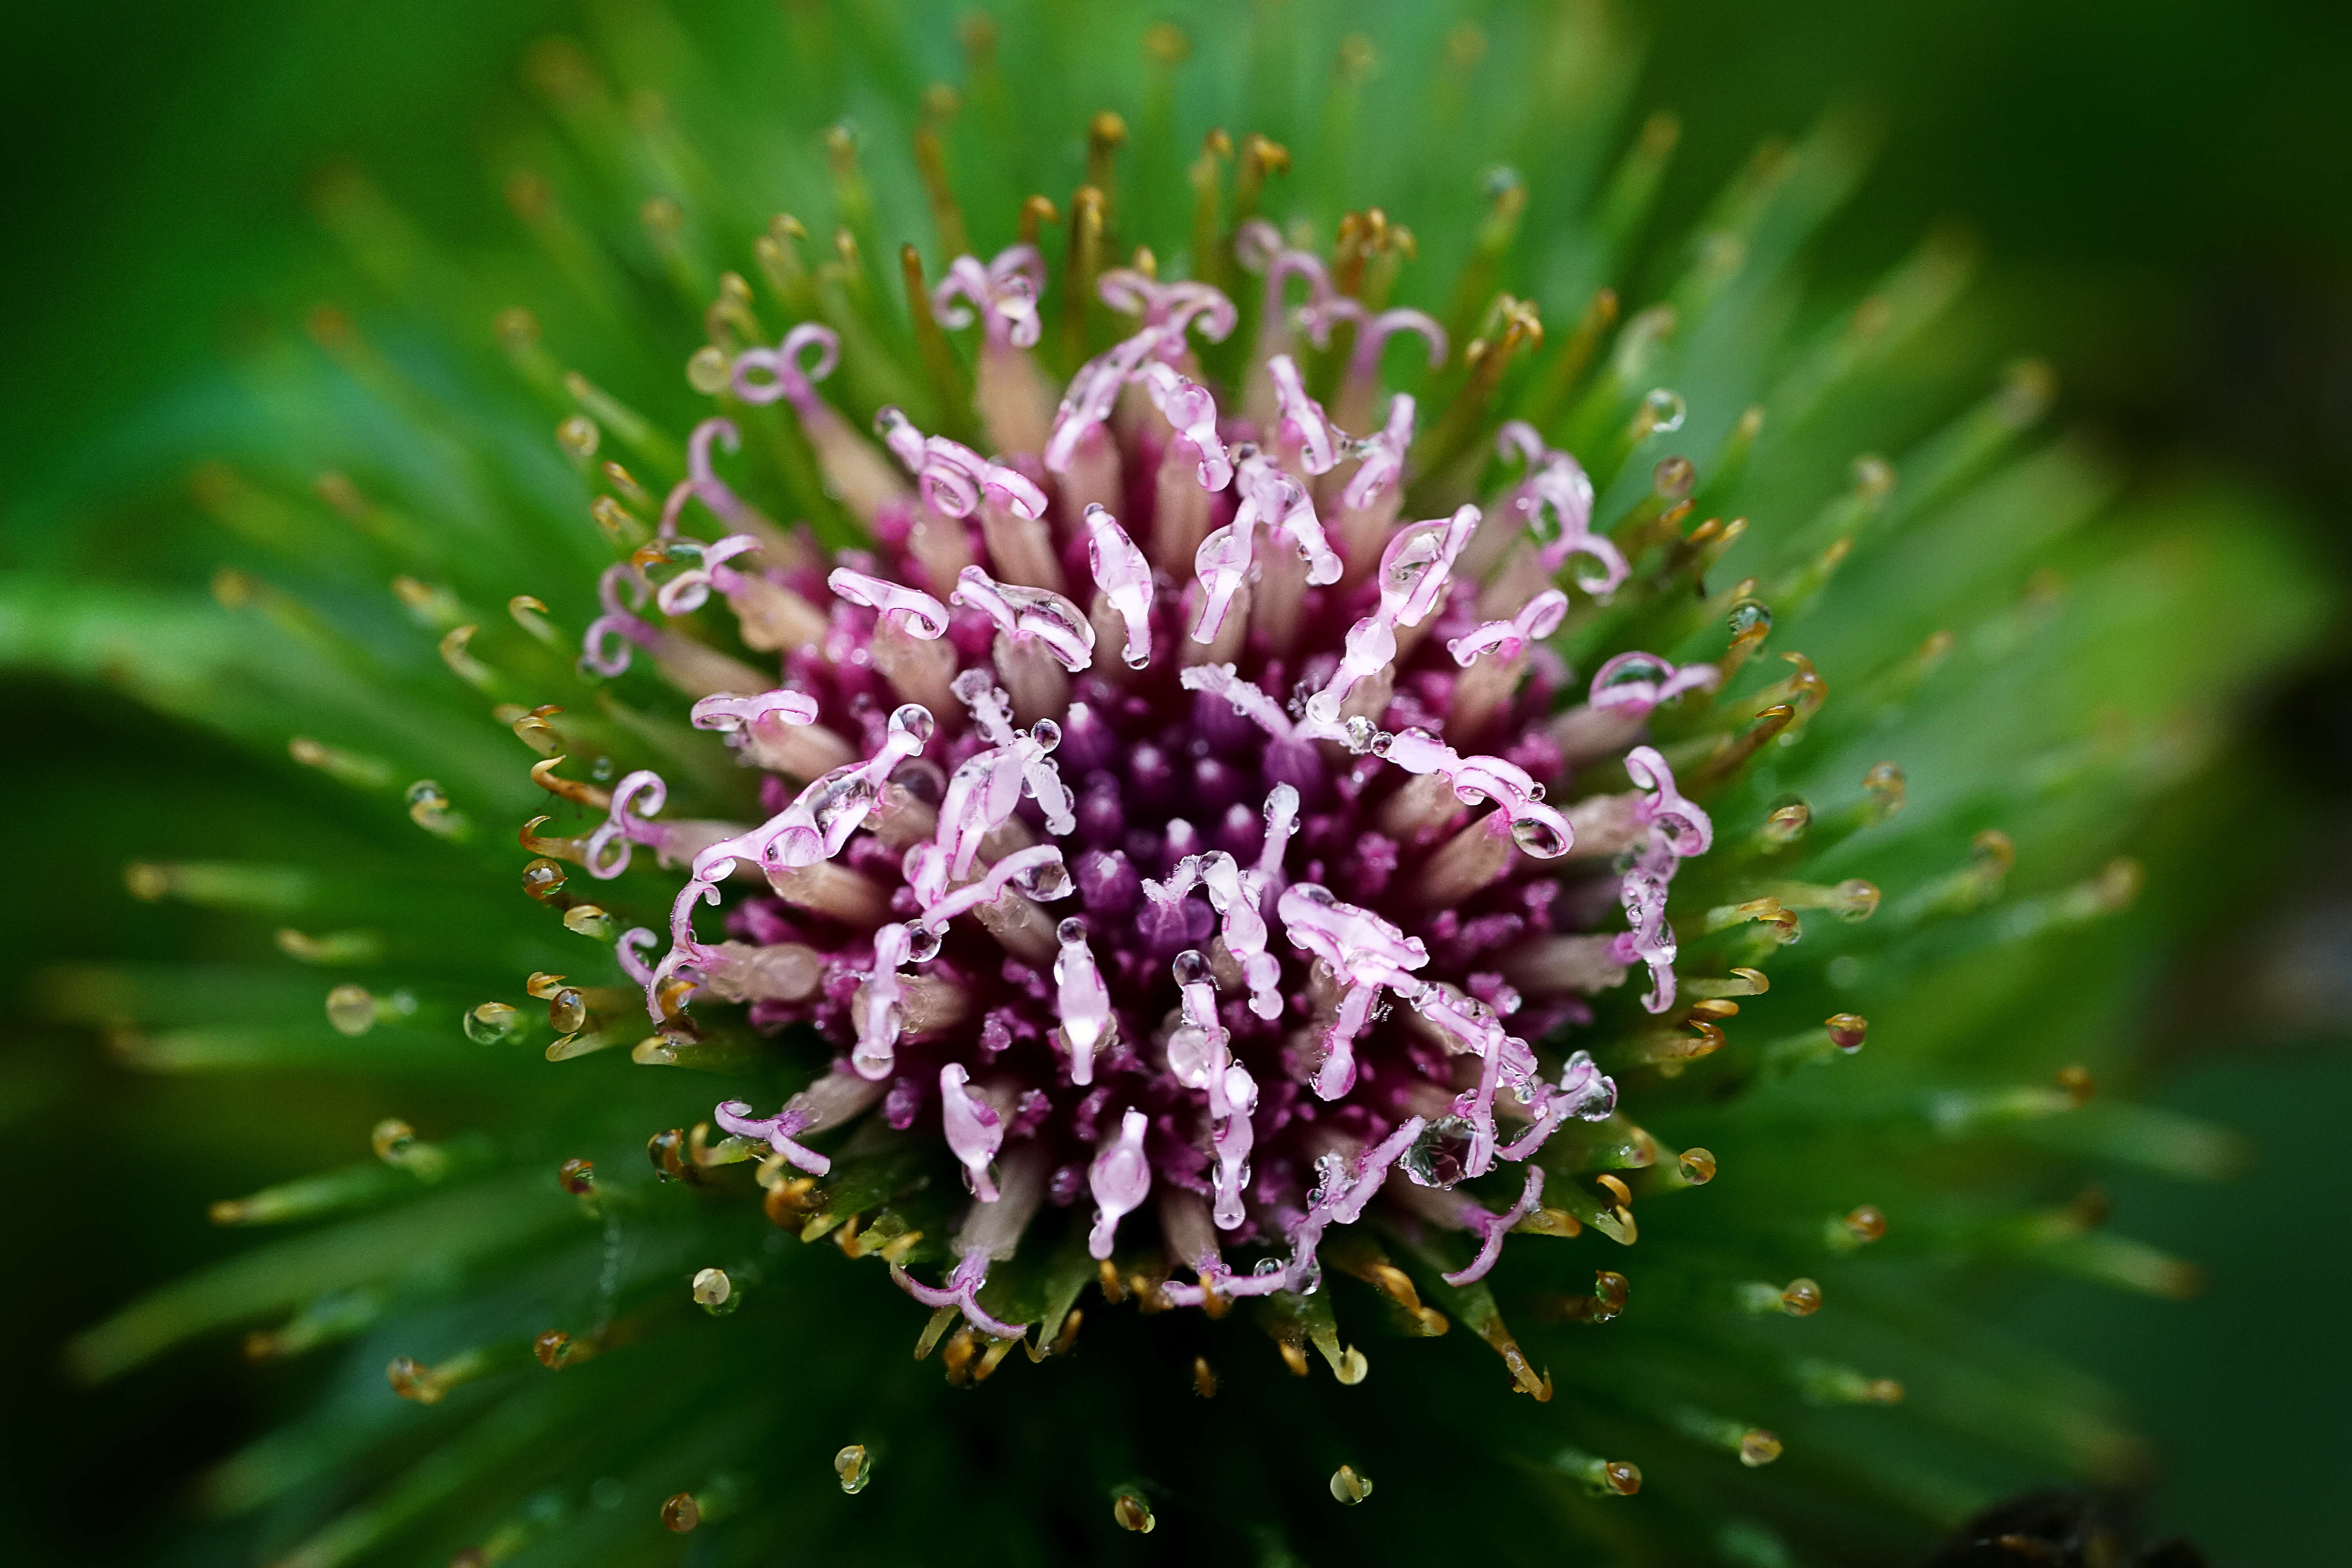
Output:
(1664, 408)
(567, 1011)
(589, 920)
(713, 1290)
(392, 1139)
(350, 1009)
(855, 1465)
(492, 1023)
(1748, 617)
(706, 370)
(1348, 1487)
(1133, 1513)
(681, 1513)
(543, 879)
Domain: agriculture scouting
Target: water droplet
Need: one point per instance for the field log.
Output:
(1190, 966)
(1874, 477)
(589, 920)
(1071, 930)
(1046, 734)
(1622, 1477)
(410, 1380)
(922, 944)
(1847, 1030)
(493, 1023)
(1749, 618)
(1539, 837)
(601, 770)
(855, 1465)
(393, 1139)
(350, 1009)
(577, 1177)
(1348, 1487)
(1698, 1166)
(1362, 735)
(1636, 669)
(1856, 899)
(543, 879)
(1865, 1223)
(1133, 1513)
(567, 1011)
(1137, 660)
(681, 1513)
(1663, 409)
(1205, 1377)
(1802, 1298)
(1758, 1447)
(1436, 1157)
(914, 721)
(713, 1291)
(1044, 882)
(706, 370)
(1673, 477)
(578, 436)
(552, 1348)
(852, 794)
(1353, 1368)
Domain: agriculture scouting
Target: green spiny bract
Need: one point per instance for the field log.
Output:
(1936, 797)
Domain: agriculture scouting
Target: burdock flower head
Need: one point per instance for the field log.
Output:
(1181, 790)
(1210, 877)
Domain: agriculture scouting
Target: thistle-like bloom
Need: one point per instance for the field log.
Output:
(1197, 787)
(1193, 830)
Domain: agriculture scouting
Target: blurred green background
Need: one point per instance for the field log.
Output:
(2158, 190)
